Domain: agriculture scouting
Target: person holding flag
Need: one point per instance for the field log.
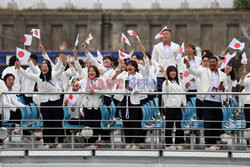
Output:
(47, 81)
(195, 62)
(164, 53)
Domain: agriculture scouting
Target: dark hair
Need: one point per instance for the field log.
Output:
(206, 56)
(96, 71)
(7, 76)
(167, 29)
(46, 77)
(137, 56)
(33, 57)
(213, 57)
(12, 60)
(191, 45)
(109, 56)
(149, 55)
(133, 63)
(81, 62)
(56, 57)
(208, 52)
(232, 73)
(172, 68)
(35, 89)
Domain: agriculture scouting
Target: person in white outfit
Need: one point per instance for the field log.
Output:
(211, 80)
(11, 70)
(173, 104)
(51, 109)
(128, 82)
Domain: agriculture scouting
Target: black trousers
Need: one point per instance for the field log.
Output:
(213, 121)
(52, 121)
(160, 81)
(247, 115)
(89, 116)
(199, 113)
(28, 100)
(133, 131)
(188, 97)
(173, 115)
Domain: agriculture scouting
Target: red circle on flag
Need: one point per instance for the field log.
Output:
(70, 96)
(186, 74)
(25, 39)
(237, 45)
(20, 54)
(134, 33)
(36, 32)
(124, 39)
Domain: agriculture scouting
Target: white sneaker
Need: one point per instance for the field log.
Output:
(92, 147)
(59, 147)
(180, 148)
(171, 148)
(213, 148)
(226, 139)
(134, 147)
(47, 146)
(128, 146)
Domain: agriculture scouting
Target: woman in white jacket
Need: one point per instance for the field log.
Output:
(51, 109)
(173, 104)
(128, 82)
(92, 102)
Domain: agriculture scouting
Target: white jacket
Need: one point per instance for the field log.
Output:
(29, 84)
(11, 104)
(120, 87)
(46, 87)
(246, 83)
(82, 72)
(18, 79)
(173, 100)
(204, 75)
(3, 88)
(96, 100)
(159, 56)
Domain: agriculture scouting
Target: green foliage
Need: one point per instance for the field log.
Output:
(242, 4)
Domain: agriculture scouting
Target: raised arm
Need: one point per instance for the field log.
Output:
(45, 55)
(32, 67)
(21, 71)
(91, 57)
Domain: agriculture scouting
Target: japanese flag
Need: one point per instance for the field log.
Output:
(235, 44)
(131, 32)
(156, 69)
(125, 39)
(89, 38)
(22, 55)
(72, 99)
(123, 55)
(187, 77)
(36, 33)
(227, 58)
(27, 39)
(181, 50)
(77, 40)
(99, 57)
(159, 35)
(244, 58)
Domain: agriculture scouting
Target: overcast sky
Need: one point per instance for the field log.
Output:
(117, 4)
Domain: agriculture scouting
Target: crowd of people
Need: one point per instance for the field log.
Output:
(131, 78)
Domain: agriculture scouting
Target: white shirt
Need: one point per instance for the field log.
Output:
(28, 85)
(214, 87)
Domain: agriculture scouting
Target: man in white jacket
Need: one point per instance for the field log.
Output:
(211, 80)
(164, 54)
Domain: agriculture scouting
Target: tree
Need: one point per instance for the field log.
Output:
(242, 4)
